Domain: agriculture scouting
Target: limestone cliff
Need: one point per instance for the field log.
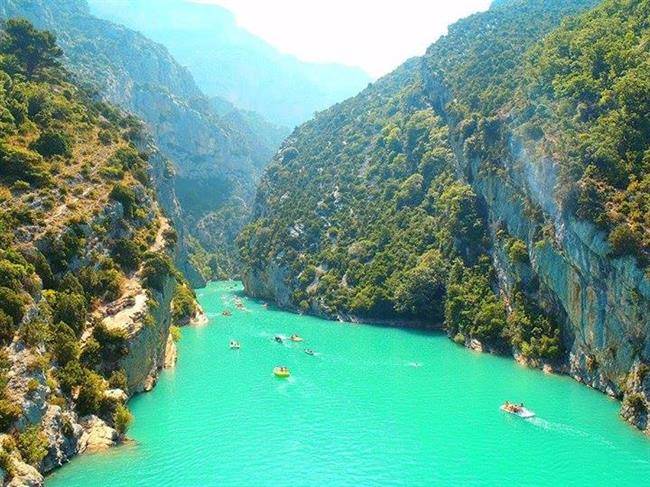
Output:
(215, 157)
(466, 190)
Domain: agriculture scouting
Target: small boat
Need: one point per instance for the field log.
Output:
(226, 313)
(234, 345)
(295, 338)
(279, 339)
(517, 410)
(309, 351)
(281, 372)
(265, 305)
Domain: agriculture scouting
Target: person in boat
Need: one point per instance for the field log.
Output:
(309, 351)
(278, 339)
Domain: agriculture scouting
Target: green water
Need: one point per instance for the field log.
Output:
(357, 414)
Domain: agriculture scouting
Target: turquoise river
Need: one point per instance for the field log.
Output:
(375, 406)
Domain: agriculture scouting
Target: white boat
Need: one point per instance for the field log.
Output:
(234, 345)
(520, 411)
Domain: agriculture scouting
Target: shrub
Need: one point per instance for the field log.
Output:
(91, 393)
(517, 251)
(156, 269)
(34, 332)
(51, 143)
(122, 419)
(70, 375)
(91, 354)
(33, 445)
(636, 403)
(102, 283)
(12, 303)
(183, 305)
(112, 342)
(175, 333)
(18, 164)
(118, 380)
(127, 254)
(126, 196)
(64, 343)
(71, 309)
(624, 241)
(9, 413)
(7, 329)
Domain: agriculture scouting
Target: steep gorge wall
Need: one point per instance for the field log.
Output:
(565, 273)
(603, 302)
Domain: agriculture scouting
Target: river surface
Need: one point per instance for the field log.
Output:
(375, 406)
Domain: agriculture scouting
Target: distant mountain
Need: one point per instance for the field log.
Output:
(229, 62)
(217, 152)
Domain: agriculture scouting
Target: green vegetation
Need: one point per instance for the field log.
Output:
(122, 419)
(589, 89)
(27, 50)
(377, 207)
(67, 165)
(32, 444)
(184, 305)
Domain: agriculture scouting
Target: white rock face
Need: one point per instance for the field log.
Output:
(100, 435)
(25, 476)
(66, 437)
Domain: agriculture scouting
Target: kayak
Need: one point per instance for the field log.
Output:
(519, 411)
(281, 372)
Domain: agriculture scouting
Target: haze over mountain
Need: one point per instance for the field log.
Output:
(229, 62)
(215, 152)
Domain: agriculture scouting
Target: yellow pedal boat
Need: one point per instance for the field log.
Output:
(281, 372)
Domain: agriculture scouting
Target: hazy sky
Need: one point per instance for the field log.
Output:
(376, 35)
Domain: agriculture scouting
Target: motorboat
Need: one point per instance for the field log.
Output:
(234, 345)
(517, 410)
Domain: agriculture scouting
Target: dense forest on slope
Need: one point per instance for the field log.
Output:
(216, 152)
(497, 186)
(229, 62)
(85, 258)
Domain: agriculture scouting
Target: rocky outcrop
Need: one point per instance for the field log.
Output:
(100, 436)
(214, 161)
(147, 340)
(602, 302)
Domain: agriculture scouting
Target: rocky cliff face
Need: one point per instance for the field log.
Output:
(375, 207)
(216, 159)
(87, 277)
(602, 302)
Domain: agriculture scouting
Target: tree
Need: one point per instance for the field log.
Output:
(127, 254)
(33, 50)
(421, 292)
(64, 343)
(32, 444)
(122, 419)
(52, 143)
(70, 308)
(91, 393)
